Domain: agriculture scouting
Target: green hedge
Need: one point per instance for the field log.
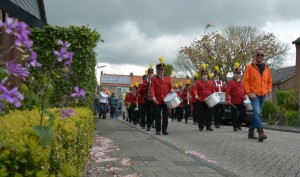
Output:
(83, 42)
(291, 118)
(22, 155)
(288, 100)
(270, 109)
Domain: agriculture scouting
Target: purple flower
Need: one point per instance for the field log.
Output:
(10, 25)
(78, 92)
(63, 53)
(32, 60)
(67, 113)
(16, 70)
(63, 44)
(22, 33)
(12, 96)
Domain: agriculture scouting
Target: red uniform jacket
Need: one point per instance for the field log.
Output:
(219, 86)
(193, 99)
(186, 92)
(179, 94)
(204, 88)
(159, 88)
(235, 92)
(130, 99)
(142, 93)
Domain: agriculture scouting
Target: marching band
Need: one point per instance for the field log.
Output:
(204, 100)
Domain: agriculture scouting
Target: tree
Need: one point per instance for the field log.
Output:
(234, 44)
(169, 70)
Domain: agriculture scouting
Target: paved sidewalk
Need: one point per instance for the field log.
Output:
(121, 149)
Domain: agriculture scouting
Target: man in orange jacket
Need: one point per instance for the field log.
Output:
(257, 83)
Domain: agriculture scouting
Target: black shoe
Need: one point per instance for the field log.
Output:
(165, 133)
(157, 133)
(235, 129)
(209, 129)
(148, 129)
(240, 128)
(195, 123)
(217, 126)
(200, 129)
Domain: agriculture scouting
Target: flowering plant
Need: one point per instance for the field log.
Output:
(19, 68)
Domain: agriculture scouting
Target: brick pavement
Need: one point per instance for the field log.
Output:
(121, 149)
(277, 156)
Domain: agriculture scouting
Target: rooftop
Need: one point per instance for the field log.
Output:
(280, 75)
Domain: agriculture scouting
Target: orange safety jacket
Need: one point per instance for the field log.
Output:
(254, 82)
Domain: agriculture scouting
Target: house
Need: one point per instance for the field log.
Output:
(120, 83)
(287, 78)
(32, 12)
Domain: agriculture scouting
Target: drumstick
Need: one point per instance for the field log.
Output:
(232, 105)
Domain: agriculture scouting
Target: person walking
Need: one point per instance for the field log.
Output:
(149, 103)
(103, 101)
(160, 86)
(257, 83)
(235, 96)
(113, 104)
(219, 109)
(142, 97)
(203, 89)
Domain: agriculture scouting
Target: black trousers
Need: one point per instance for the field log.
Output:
(187, 111)
(142, 109)
(204, 115)
(130, 114)
(179, 113)
(149, 113)
(218, 112)
(158, 111)
(238, 120)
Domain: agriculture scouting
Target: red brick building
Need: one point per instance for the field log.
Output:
(120, 83)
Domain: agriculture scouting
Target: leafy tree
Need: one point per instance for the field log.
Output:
(169, 70)
(234, 44)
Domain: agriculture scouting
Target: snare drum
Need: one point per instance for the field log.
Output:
(172, 100)
(222, 97)
(212, 100)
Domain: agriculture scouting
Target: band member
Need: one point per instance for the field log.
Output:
(186, 99)
(130, 101)
(203, 89)
(149, 103)
(179, 108)
(136, 111)
(219, 109)
(160, 87)
(142, 96)
(193, 100)
(235, 95)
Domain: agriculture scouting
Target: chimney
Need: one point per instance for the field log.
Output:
(131, 74)
(297, 45)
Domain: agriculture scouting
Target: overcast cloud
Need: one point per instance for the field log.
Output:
(137, 32)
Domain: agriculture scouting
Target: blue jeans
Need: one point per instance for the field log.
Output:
(257, 104)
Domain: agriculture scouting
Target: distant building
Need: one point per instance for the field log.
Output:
(287, 78)
(120, 83)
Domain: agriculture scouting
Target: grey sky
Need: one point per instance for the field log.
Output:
(137, 32)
